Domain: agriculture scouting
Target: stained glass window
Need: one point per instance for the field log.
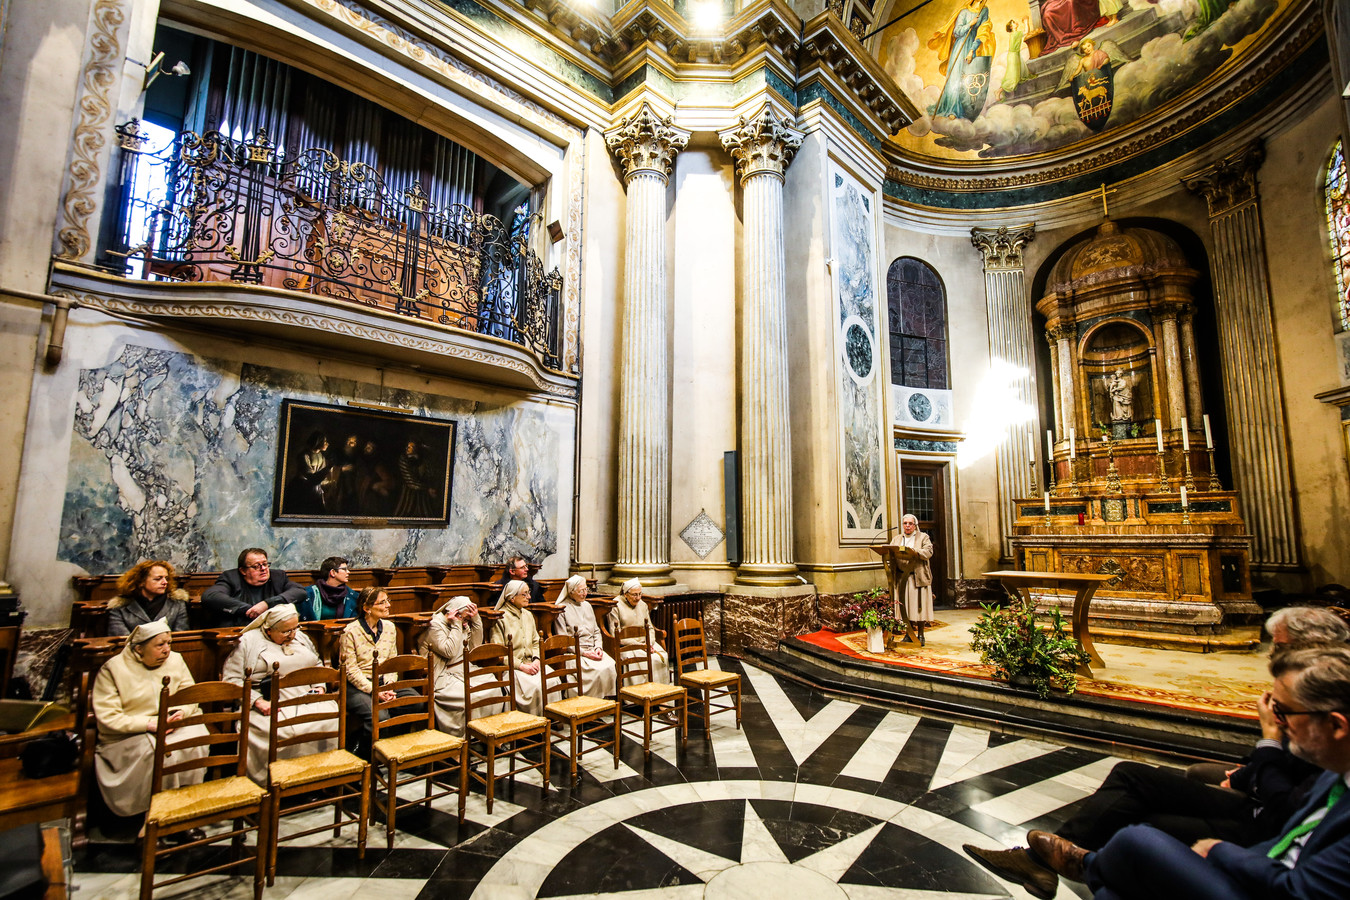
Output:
(916, 306)
(1338, 227)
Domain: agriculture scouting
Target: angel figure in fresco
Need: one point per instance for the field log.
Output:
(965, 51)
(1016, 70)
(1209, 11)
(1091, 71)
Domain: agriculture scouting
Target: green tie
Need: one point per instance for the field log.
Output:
(1306, 825)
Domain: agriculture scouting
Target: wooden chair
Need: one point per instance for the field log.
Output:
(511, 733)
(9, 652)
(641, 698)
(340, 775)
(709, 686)
(221, 708)
(434, 753)
(560, 674)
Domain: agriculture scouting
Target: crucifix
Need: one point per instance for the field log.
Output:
(1104, 192)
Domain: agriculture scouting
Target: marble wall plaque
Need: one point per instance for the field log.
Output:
(852, 243)
(172, 456)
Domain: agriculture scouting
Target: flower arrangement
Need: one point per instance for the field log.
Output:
(869, 609)
(1013, 641)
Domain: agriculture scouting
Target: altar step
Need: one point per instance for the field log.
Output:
(1237, 638)
(1116, 726)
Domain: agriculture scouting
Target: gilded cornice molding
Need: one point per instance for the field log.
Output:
(102, 69)
(830, 52)
(1230, 182)
(646, 142)
(1001, 247)
(763, 143)
(1154, 129)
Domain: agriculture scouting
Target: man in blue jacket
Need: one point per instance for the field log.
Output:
(1310, 857)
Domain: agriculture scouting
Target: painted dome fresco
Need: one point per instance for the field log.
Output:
(999, 79)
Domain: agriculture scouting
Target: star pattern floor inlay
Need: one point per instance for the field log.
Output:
(814, 797)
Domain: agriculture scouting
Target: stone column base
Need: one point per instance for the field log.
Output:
(759, 617)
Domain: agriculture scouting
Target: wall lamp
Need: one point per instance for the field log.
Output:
(153, 69)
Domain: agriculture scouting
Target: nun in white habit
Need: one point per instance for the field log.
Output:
(126, 706)
(456, 628)
(632, 610)
(598, 675)
(517, 625)
(275, 637)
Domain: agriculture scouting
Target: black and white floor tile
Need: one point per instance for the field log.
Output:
(814, 797)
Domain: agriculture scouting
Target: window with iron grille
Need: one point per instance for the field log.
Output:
(917, 312)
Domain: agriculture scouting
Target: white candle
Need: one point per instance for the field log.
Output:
(1073, 444)
(1049, 444)
(1185, 435)
(1047, 502)
(1157, 427)
(1209, 438)
(1031, 447)
(1184, 502)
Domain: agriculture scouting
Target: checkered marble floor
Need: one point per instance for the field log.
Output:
(813, 797)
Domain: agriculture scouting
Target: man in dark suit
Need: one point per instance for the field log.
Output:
(517, 569)
(241, 595)
(1310, 857)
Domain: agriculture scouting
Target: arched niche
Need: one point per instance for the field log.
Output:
(1120, 386)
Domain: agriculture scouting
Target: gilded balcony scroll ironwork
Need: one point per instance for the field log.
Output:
(251, 212)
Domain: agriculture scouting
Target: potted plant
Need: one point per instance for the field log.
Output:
(871, 612)
(1038, 653)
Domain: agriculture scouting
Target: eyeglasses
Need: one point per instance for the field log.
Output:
(259, 567)
(1282, 715)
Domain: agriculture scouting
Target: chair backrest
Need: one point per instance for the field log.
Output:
(9, 652)
(689, 652)
(560, 666)
(315, 706)
(219, 707)
(635, 661)
(493, 677)
(409, 671)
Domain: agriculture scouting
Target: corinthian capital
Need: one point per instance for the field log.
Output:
(1230, 182)
(1002, 246)
(645, 142)
(764, 143)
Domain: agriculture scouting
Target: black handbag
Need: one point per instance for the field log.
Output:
(52, 754)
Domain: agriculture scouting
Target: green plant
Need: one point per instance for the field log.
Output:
(1019, 646)
(876, 618)
(874, 600)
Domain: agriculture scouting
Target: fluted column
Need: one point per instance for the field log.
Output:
(762, 146)
(1056, 398)
(645, 146)
(1010, 341)
(1176, 378)
(1258, 435)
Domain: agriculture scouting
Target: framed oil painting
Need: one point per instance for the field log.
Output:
(342, 465)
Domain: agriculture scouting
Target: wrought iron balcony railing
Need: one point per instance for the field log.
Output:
(209, 208)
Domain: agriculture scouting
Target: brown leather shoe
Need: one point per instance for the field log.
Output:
(1019, 867)
(1064, 856)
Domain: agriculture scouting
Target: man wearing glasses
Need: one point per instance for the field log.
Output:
(330, 597)
(241, 595)
(1249, 806)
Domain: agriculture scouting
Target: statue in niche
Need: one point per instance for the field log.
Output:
(1118, 389)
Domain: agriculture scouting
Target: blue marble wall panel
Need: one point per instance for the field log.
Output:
(172, 457)
(862, 492)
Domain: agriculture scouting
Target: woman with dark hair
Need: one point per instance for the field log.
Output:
(146, 592)
(362, 640)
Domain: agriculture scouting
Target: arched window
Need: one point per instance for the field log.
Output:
(916, 306)
(1338, 228)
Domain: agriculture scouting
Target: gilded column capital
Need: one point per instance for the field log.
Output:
(1170, 311)
(1065, 331)
(645, 142)
(763, 143)
(1002, 246)
(1230, 182)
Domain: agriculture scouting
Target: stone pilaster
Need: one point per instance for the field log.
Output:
(645, 146)
(1011, 345)
(1195, 406)
(1258, 435)
(762, 146)
(1056, 401)
(1176, 379)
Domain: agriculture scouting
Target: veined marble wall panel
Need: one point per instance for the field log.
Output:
(161, 450)
(857, 338)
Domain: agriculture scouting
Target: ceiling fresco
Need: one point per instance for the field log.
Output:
(1007, 78)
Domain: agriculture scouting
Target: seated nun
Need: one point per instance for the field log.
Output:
(598, 674)
(632, 610)
(456, 628)
(275, 637)
(126, 706)
(517, 625)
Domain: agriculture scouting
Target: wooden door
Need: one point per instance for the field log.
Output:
(923, 494)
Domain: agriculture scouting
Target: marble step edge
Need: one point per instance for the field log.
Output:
(1118, 727)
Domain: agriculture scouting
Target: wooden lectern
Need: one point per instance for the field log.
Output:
(900, 563)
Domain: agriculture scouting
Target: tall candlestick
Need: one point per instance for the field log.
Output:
(1031, 446)
(1157, 427)
(1184, 502)
(1185, 435)
(1047, 503)
(1209, 438)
